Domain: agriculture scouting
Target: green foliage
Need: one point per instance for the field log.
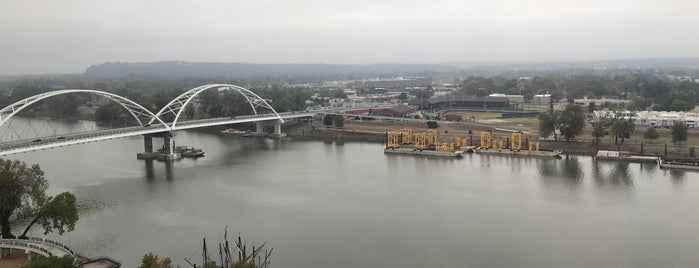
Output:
(333, 93)
(651, 134)
(403, 96)
(108, 113)
(432, 124)
(53, 262)
(328, 119)
(58, 213)
(571, 122)
(339, 121)
(640, 104)
(243, 264)
(153, 261)
(621, 127)
(679, 132)
(548, 123)
(22, 188)
(599, 128)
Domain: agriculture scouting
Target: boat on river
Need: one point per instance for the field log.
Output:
(691, 164)
(624, 156)
(541, 153)
(189, 152)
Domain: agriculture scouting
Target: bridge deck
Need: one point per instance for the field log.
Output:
(39, 246)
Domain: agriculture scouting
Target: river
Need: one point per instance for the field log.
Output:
(330, 204)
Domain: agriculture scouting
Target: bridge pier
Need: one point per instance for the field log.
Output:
(166, 153)
(277, 130)
(148, 143)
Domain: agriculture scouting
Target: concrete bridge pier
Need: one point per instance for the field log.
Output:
(277, 130)
(167, 154)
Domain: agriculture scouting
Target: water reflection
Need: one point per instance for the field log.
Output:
(648, 168)
(677, 176)
(564, 171)
(150, 169)
(619, 177)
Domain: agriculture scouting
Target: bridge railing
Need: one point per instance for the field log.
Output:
(53, 243)
(24, 244)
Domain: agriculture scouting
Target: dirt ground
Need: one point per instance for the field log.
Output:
(17, 259)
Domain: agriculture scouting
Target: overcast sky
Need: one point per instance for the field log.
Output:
(67, 36)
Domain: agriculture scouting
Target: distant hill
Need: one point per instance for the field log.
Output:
(206, 69)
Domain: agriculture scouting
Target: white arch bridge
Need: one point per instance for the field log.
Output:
(160, 124)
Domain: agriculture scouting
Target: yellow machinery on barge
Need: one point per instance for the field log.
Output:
(490, 146)
(425, 143)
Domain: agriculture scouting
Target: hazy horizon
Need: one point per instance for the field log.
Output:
(68, 36)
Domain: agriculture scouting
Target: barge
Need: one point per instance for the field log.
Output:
(555, 153)
(624, 156)
(690, 164)
(412, 151)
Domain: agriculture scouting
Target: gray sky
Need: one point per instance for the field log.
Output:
(50, 36)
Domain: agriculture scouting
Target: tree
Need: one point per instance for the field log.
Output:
(21, 187)
(23, 194)
(53, 262)
(403, 96)
(599, 127)
(432, 124)
(328, 119)
(640, 104)
(339, 121)
(59, 213)
(621, 127)
(571, 122)
(651, 134)
(548, 123)
(679, 132)
(153, 261)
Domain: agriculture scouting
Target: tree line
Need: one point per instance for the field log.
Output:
(651, 89)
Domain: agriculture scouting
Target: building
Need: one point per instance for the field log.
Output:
(461, 102)
(542, 99)
(515, 100)
(656, 118)
(395, 111)
(591, 105)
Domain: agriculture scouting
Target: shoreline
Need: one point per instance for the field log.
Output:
(352, 133)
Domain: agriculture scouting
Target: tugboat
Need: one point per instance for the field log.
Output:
(186, 151)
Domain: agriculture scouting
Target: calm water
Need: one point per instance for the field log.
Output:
(323, 204)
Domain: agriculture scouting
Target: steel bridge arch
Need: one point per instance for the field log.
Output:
(177, 105)
(134, 108)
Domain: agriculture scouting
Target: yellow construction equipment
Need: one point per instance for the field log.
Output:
(516, 141)
(461, 142)
(392, 138)
(420, 141)
(485, 139)
(445, 146)
(407, 136)
(432, 138)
